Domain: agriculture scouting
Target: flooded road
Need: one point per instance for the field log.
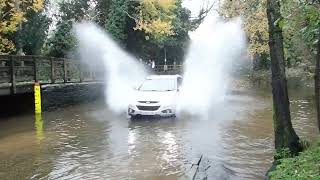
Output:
(89, 142)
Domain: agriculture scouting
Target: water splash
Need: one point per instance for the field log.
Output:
(215, 46)
(123, 72)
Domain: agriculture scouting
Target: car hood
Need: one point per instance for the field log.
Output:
(166, 96)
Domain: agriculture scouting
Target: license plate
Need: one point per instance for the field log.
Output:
(149, 113)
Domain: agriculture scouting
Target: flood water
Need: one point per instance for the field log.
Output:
(89, 142)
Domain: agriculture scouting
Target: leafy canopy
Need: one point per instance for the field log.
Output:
(255, 22)
(12, 14)
(155, 17)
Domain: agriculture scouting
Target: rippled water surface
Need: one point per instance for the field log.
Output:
(89, 142)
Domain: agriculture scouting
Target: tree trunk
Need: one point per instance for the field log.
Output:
(317, 82)
(285, 136)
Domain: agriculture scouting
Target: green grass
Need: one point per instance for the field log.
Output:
(306, 166)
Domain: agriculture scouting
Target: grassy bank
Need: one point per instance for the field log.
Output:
(305, 166)
(298, 76)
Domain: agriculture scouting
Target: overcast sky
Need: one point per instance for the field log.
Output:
(196, 5)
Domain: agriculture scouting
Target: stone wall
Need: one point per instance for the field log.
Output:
(61, 95)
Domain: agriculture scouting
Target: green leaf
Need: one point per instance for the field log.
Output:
(279, 22)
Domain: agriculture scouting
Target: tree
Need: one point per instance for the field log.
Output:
(256, 26)
(156, 18)
(311, 33)
(33, 32)
(317, 81)
(103, 10)
(296, 47)
(12, 14)
(63, 42)
(117, 20)
(314, 23)
(285, 136)
(298, 26)
(148, 45)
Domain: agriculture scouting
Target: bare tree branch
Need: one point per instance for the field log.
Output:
(204, 12)
(130, 16)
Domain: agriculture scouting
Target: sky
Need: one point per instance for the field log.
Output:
(196, 5)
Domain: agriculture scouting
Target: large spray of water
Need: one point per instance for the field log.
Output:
(123, 72)
(214, 48)
(215, 45)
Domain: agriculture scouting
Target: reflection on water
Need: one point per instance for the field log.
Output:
(89, 142)
(38, 123)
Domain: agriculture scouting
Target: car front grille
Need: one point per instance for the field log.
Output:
(148, 108)
(148, 102)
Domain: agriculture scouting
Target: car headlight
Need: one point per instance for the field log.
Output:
(167, 111)
(131, 110)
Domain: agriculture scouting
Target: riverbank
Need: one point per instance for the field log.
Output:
(307, 164)
(297, 77)
(304, 166)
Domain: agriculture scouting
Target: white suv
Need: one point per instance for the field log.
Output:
(156, 96)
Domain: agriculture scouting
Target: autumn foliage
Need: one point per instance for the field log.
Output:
(255, 22)
(12, 13)
(155, 18)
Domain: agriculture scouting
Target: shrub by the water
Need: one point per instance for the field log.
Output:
(305, 166)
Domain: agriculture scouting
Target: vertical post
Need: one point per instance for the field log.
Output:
(93, 75)
(65, 78)
(165, 56)
(165, 68)
(52, 71)
(38, 124)
(36, 78)
(13, 75)
(80, 72)
(37, 98)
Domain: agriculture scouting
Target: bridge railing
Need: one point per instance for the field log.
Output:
(17, 70)
(168, 69)
(25, 70)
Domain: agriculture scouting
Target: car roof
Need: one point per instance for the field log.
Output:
(163, 76)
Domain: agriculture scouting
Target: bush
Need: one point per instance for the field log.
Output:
(305, 166)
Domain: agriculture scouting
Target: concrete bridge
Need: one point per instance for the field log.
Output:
(19, 73)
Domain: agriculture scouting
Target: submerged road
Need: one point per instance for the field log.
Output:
(90, 142)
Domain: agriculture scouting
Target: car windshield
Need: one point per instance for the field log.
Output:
(158, 85)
